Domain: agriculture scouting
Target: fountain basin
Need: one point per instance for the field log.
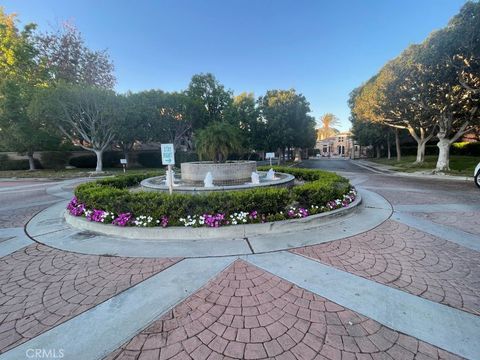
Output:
(229, 173)
(158, 184)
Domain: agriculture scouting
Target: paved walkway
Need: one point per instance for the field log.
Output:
(400, 288)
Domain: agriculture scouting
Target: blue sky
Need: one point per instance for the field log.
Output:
(323, 49)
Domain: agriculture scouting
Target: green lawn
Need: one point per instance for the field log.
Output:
(459, 165)
(69, 174)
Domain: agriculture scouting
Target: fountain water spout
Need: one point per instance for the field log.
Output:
(208, 181)
(270, 175)
(255, 178)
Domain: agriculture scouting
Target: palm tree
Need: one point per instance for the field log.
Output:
(327, 130)
(218, 140)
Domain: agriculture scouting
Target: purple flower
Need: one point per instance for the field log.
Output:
(303, 212)
(122, 219)
(96, 215)
(164, 221)
(75, 208)
(214, 220)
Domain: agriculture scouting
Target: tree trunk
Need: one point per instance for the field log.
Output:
(389, 152)
(421, 142)
(420, 152)
(99, 154)
(397, 145)
(443, 162)
(126, 154)
(298, 155)
(279, 151)
(377, 151)
(31, 161)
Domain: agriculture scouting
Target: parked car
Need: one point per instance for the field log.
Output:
(476, 175)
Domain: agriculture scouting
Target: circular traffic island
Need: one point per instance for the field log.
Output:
(115, 206)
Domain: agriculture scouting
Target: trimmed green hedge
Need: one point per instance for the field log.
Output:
(22, 164)
(112, 195)
(56, 160)
(320, 187)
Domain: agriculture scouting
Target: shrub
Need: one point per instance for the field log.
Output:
(218, 140)
(150, 159)
(466, 148)
(321, 186)
(89, 160)
(54, 159)
(22, 164)
(112, 194)
(185, 156)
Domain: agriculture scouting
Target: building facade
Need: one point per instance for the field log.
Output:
(340, 145)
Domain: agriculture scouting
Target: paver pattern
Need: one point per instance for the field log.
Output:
(19, 217)
(247, 313)
(465, 221)
(41, 287)
(16, 207)
(408, 259)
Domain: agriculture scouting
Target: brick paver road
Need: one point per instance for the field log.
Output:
(41, 287)
(247, 313)
(408, 259)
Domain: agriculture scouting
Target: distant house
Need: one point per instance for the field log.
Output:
(339, 145)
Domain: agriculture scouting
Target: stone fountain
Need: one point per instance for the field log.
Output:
(206, 176)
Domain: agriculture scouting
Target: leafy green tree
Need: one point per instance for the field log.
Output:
(153, 116)
(395, 97)
(130, 125)
(245, 115)
(432, 88)
(85, 115)
(287, 123)
(208, 100)
(367, 133)
(20, 76)
(173, 124)
(217, 140)
(450, 59)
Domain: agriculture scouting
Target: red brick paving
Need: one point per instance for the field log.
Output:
(465, 221)
(410, 260)
(41, 287)
(247, 313)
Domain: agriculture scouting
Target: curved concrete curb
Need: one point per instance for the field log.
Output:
(189, 233)
(49, 227)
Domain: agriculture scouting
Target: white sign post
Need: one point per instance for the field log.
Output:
(124, 163)
(270, 156)
(168, 158)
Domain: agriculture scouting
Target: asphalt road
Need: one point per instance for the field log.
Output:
(335, 165)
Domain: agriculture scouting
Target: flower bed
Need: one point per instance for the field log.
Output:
(109, 201)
